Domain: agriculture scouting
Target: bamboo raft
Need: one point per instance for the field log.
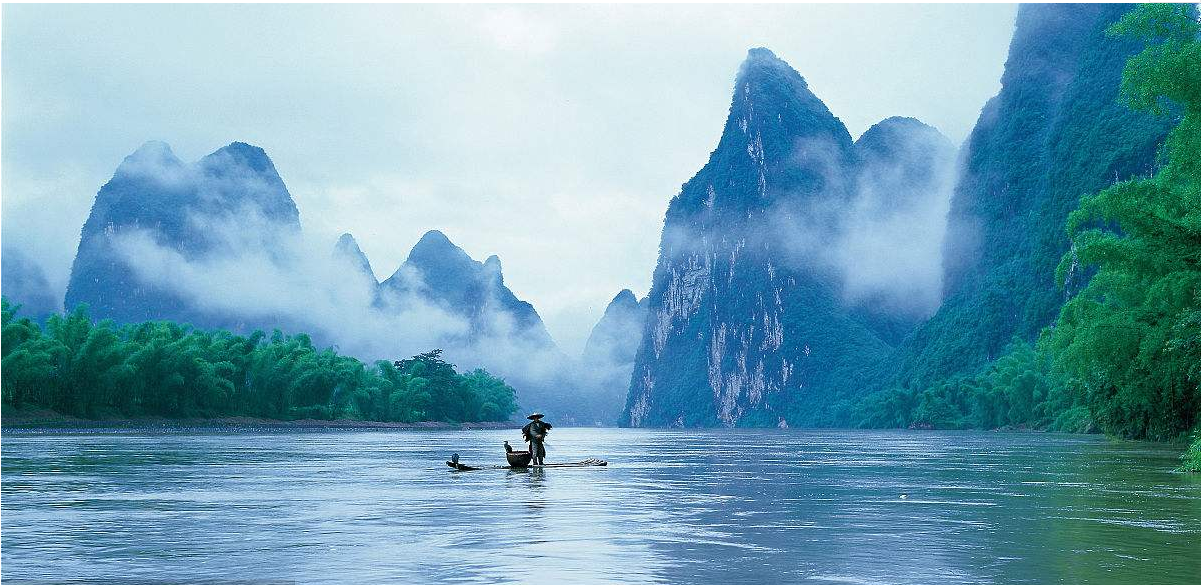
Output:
(585, 463)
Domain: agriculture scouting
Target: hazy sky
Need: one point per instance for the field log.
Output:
(553, 136)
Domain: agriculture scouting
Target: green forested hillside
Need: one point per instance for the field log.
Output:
(1056, 132)
(1124, 355)
(100, 370)
(1019, 390)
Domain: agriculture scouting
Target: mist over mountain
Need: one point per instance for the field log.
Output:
(443, 274)
(795, 262)
(608, 359)
(890, 247)
(754, 314)
(798, 269)
(499, 331)
(24, 283)
(181, 208)
(1056, 131)
(218, 244)
(347, 251)
(615, 337)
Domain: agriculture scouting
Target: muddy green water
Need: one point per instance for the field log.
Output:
(673, 506)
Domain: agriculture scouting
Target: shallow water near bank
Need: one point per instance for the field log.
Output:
(688, 506)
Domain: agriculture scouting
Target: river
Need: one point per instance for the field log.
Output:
(688, 506)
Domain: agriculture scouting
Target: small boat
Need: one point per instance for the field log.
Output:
(518, 459)
(463, 467)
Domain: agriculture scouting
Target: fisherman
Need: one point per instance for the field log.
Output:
(535, 434)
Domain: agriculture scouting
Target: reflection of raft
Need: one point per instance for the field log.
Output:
(584, 463)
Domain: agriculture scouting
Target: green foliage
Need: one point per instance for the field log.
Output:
(1019, 390)
(95, 370)
(1171, 67)
(1131, 339)
(1125, 354)
(1191, 460)
(1057, 131)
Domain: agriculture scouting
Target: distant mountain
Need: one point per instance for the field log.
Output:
(500, 332)
(891, 237)
(23, 282)
(347, 253)
(747, 324)
(900, 159)
(1056, 131)
(441, 273)
(608, 358)
(178, 207)
(615, 338)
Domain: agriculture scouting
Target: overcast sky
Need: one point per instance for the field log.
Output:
(553, 136)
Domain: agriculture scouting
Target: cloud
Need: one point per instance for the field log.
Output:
(269, 275)
(297, 283)
(878, 226)
(436, 117)
(519, 30)
(889, 248)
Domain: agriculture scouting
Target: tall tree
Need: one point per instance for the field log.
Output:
(1129, 339)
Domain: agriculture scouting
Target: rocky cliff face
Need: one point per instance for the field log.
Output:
(179, 207)
(1055, 132)
(746, 323)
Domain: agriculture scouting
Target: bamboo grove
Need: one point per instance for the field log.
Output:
(101, 370)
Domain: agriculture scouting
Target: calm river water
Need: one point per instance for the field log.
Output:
(673, 506)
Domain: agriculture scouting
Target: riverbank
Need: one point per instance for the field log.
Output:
(47, 420)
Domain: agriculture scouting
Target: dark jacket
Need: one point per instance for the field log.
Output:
(535, 431)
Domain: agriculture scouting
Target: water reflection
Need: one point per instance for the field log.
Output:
(674, 506)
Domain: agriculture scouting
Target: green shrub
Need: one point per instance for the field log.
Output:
(1191, 460)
